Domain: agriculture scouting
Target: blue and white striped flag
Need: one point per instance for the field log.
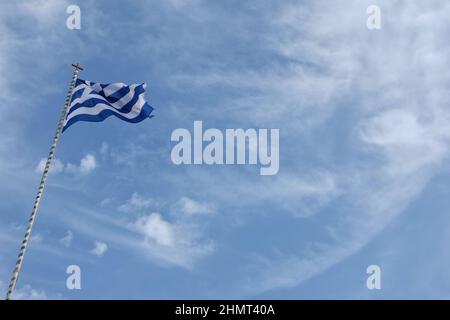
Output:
(95, 102)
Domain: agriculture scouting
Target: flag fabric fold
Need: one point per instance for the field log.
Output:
(95, 102)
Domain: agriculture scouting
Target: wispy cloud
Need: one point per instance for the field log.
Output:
(66, 241)
(179, 241)
(190, 206)
(37, 238)
(28, 293)
(137, 203)
(401, 116)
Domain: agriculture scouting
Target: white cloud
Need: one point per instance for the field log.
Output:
(28, 293)
(155, 228)
(137, 203)
(66, 241)
(99, 248)
(87, 164)
(179, 242)
(56, 167)
(192, 207)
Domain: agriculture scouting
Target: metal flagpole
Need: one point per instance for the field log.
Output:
(37, 200)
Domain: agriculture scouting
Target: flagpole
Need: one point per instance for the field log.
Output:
(37, 200)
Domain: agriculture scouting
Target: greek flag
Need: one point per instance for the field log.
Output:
(95, 102)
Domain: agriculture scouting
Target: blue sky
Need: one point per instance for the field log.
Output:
(364, 144)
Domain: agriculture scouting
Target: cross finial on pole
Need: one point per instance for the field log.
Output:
(77, 66)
